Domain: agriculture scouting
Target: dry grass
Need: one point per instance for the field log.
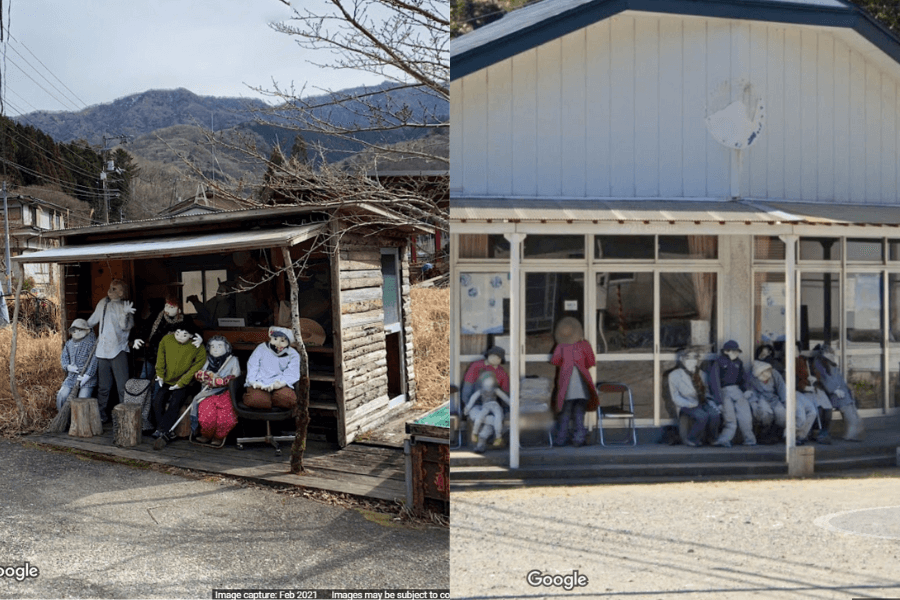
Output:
(38, 374)
(431, 340)
(38, 377)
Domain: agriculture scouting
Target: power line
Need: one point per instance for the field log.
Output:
(83, 104)
(49, 93)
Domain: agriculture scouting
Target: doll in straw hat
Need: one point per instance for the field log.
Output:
(575, 391)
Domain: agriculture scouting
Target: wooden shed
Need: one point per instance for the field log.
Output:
(353, 282)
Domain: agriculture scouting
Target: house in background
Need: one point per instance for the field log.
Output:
(29, 219)
(676, 173)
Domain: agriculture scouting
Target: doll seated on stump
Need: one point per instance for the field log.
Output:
(272, 371)
(483, 404)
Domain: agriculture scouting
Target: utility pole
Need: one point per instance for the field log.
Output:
(5, 290)
(108, 167)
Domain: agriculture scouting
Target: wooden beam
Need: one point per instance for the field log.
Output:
(12, 352)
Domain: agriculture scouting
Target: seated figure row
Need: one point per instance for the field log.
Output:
(725, 397)
(272, 370)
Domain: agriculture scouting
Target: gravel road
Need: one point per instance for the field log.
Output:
(105, 530)
(772, 539)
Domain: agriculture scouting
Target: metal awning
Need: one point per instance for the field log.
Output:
(176, 246)
(666, 211)
(744, 212)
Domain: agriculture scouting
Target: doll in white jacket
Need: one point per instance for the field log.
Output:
(272, 371)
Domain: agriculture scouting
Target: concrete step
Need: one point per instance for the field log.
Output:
(573, 473)
(831, 465)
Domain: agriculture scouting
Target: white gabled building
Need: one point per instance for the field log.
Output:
(678, 172)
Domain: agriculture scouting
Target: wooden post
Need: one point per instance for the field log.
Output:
(85, 418)
(12, 352)
(302, 409)
(126, 420)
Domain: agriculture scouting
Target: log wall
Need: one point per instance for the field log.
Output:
(362, 367)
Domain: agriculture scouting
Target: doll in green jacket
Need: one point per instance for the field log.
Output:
(176, 363)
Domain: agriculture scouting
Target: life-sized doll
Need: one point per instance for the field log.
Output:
(825, 368)
(809, 388)
(575, 391)
(78, 356)
(165, 323)
(493, 364)
(688, 392)
(483, 404)
(115, 316)
(729, 390)
(272, 371)
(770, 400)
(212, 408)
(176, 363)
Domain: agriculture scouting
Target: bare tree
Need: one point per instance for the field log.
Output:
(406, 42)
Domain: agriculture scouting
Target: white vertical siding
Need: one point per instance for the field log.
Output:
(646, 106)
(842, 144)
(809, 117)
(718, 86)
(524, 133)
(825, 122)
(622, 134)
(618, 110)
(499, 149)
(597, 119)
(549, 118)
(573, 124)
(671, 102)
(696, 137)
(873, 134)
(774, 132)
(755, 161)
(888, 139)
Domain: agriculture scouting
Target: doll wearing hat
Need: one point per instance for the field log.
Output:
(728, 387)
(77, 355)
(688, 392)
(769, 401)
(575, 391)
(809, 388)
(272, 371)
(825, 368)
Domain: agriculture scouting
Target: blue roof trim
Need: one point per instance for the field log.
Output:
(528, 27)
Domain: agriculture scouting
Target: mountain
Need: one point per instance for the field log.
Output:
(167, 127)
(143, 113)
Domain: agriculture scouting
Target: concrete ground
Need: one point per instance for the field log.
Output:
(836, 538)
(106, 530)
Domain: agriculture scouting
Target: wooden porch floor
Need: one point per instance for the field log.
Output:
(362, 470)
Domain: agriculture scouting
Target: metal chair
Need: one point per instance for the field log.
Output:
(620, 411)
(236, 387)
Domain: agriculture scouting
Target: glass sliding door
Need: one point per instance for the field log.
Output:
(864, 350)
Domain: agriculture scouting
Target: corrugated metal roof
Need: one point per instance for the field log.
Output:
(499, 210)
(669, 211)
(538, 23)
(176, 246)
(849, 214)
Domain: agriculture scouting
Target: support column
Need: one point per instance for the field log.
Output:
(790, 345)
(515, 343)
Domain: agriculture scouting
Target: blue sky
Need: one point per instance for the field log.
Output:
(60, 55)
